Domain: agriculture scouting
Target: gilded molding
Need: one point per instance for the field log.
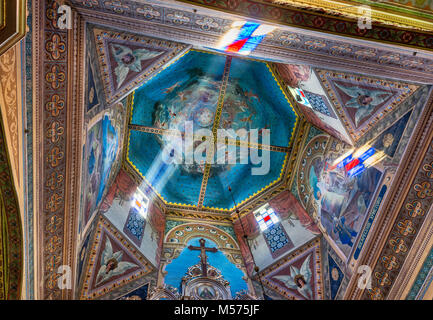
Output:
(349, 10)
(12, 23)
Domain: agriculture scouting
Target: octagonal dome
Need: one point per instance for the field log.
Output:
(197, 96)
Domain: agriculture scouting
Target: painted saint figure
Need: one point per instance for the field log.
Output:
(299, 279)
(112, 264)
(129, 60)
(363, 100)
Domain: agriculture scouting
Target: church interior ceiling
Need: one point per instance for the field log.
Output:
(173, 167)
(171, 89)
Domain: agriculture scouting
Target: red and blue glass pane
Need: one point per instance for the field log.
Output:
(266, 218)
(244, 37)
(139, 203)
(355, 166)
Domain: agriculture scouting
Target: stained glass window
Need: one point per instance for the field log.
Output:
(244, 37)
(266, 217)
(140, 203)
(355, 163)
(136, 220)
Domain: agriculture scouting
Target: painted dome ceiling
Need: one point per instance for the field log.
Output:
(195, 96)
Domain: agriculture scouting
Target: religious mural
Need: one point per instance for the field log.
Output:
(83, 253)
(189, 96)
(92, 98)
(213, 260)
(335, 278)
(362, 101)
(126, 59)
(293, 74)
(122, 249)
(101, 151)
(113, 262)
(339, 201)
(297, 275)
(193, 250)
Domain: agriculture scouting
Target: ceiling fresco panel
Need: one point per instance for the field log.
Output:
(186, 100)
(361, 102)
(126, 59)
(297, 276)
(113, 262)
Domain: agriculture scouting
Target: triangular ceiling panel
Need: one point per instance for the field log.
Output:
(126, 59)
(361, 102)
(298, 275)
(113, 262)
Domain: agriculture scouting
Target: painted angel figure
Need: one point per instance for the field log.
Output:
(363, 100)
(111, 264)
(129, 60)
(299, 279)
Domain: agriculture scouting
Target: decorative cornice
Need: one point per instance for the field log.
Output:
(349, 9)
(199, 216)
(342, 26)
(282, 45)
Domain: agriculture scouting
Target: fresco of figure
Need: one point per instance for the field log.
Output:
(342, 201)
(129, 60)
(364, 100)
(112, 264)
(293, 74)
(299, 279)
(110, 142)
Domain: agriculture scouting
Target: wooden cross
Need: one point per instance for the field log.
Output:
(203, 257)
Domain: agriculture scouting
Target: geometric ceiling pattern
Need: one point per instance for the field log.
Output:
(204, 93)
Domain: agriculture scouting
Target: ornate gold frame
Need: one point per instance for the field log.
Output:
(12, 23)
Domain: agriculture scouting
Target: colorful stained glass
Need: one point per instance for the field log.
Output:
(354, 164)
(244, 37)
(266, 217)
